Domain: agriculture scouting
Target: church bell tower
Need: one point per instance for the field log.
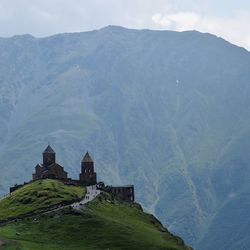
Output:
(88, 174)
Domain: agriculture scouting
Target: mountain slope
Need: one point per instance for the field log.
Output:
(235, 212)
(166, 111)
(104, 224)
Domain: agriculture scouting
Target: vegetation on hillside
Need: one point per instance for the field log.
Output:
(37, 195)
(104, 224)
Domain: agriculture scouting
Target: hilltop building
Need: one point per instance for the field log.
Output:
(49, 169)
(88, 174)
(125, 193)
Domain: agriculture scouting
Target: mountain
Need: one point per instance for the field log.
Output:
(104, 223)
(167, 111)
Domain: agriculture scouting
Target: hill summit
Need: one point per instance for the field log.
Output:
(45, 214)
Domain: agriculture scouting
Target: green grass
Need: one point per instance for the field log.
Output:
(104, 224)
(37, 195)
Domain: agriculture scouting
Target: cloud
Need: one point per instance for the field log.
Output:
(233, 29)
(178, 21)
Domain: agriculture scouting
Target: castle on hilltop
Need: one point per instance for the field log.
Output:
(50, 169)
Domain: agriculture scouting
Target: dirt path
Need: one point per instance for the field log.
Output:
(90, 195)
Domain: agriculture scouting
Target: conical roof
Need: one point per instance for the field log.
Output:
(49, 150)
(87, 158)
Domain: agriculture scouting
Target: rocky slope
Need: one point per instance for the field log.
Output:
(166, 111)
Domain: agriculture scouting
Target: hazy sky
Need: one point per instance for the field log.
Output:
(229, 19)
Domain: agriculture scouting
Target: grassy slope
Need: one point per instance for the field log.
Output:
(104, 224)
(37, 195)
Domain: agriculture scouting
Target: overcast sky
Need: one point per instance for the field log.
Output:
(229, 19)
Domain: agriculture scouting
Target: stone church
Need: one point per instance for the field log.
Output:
(49, 168)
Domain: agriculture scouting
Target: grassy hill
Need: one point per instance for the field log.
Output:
(36, 196)
(104, 224)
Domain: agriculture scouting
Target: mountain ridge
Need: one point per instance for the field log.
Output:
(120, 28)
